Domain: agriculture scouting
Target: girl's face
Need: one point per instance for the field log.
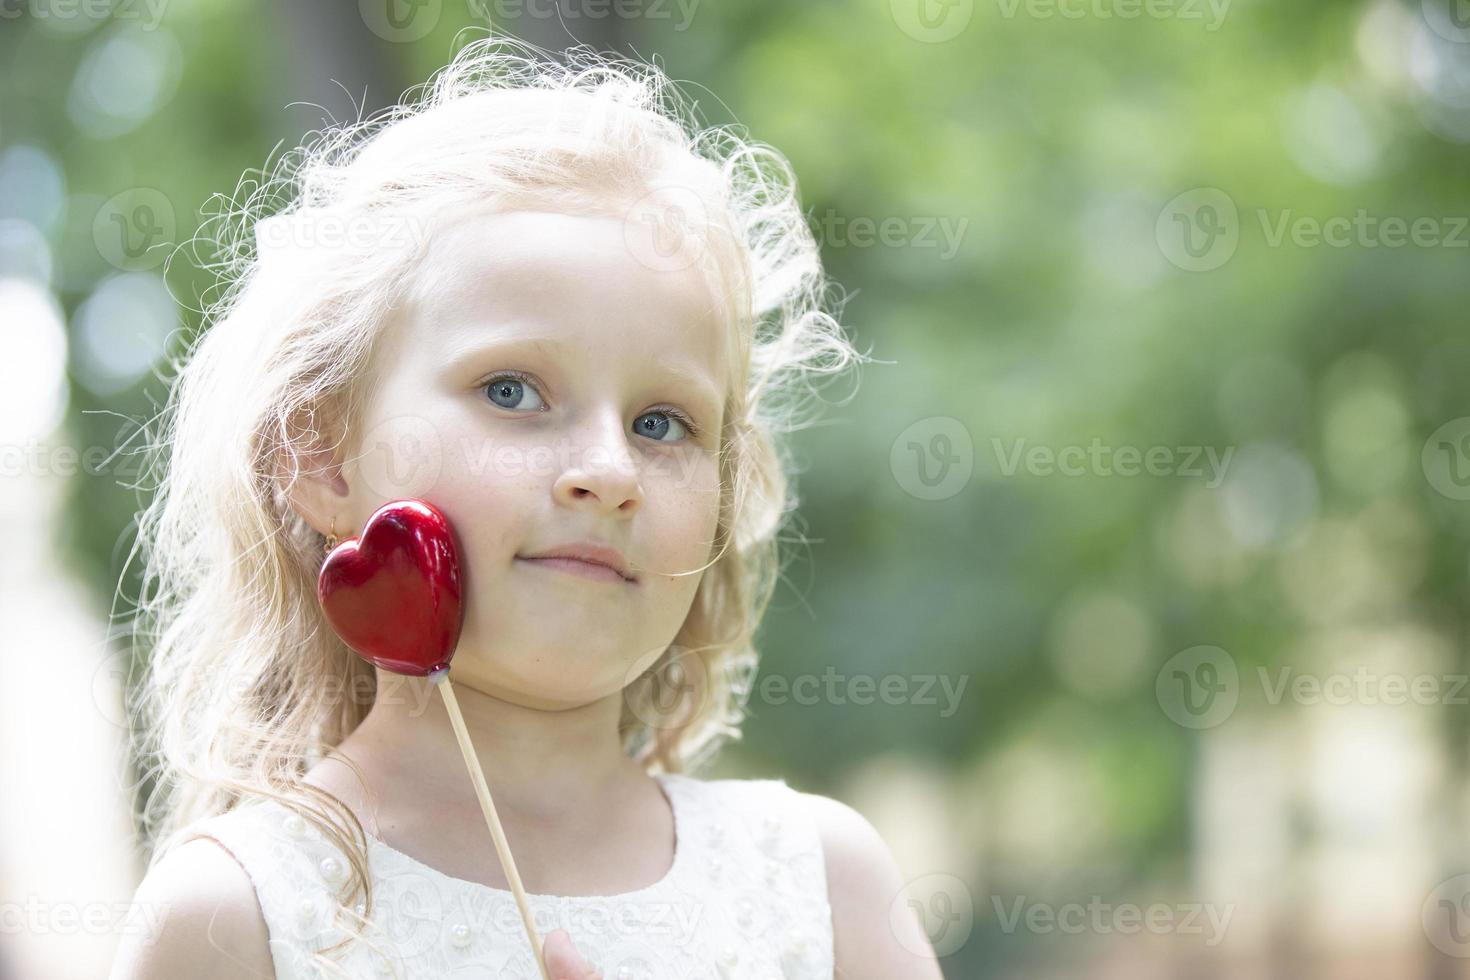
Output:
(553, 380)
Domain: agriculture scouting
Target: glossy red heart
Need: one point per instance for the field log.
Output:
(393, 593)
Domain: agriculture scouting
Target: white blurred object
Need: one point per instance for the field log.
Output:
(67, 868)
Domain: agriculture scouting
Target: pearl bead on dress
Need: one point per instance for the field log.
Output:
(332, 869)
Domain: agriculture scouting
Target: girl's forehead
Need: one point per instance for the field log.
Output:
(583, 280)
(549, 255)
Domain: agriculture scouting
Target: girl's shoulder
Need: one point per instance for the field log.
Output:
(295, 872)
(251, 829)
(759, 827)
(200, 918)
(755, 853)
(762, 808)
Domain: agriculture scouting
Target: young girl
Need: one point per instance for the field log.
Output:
(543, 300)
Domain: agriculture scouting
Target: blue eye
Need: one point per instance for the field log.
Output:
(508, 389)
(655, 429)
(512, 388)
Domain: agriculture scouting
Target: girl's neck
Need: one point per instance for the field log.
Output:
(541, 764)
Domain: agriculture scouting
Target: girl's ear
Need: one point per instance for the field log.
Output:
(318, 491)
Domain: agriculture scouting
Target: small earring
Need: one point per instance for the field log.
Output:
(331, 538)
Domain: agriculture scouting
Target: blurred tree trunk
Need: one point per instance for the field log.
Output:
(337, 64)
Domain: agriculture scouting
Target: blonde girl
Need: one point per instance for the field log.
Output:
(539, 296)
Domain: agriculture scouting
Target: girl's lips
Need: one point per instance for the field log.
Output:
(584, 569)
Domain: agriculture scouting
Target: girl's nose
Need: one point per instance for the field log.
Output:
(601, 473)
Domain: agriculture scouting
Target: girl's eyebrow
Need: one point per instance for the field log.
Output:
(505, 345)
(680, 375)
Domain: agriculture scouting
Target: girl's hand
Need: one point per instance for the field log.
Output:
(563, 961)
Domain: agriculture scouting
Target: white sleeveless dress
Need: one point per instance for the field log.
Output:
(745, 899)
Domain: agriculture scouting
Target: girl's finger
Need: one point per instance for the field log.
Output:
(563, 961)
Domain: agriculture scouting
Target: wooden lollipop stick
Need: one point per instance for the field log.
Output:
(441, 679)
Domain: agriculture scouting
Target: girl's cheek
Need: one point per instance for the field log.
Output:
(684, 504)
(400, 456)
(507, 456)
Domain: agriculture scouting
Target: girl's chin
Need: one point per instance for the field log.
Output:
(530, 685)
(548, 668)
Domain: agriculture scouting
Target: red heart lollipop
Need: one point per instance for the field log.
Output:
(393, 594)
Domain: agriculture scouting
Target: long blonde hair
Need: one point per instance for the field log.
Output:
(230, 705)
